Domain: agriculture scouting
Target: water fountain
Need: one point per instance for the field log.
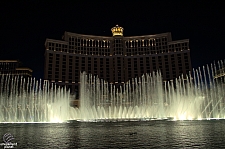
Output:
(194, 96)
(29, 100)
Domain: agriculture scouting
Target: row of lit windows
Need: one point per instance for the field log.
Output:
(139, 51)
(57, 47)
(144, 43)
(88, 42)
(88, 51)
(136, 67)
(134, 48)
(8, 65)
(129, 44)
(78, 41)
(65, 57)
(129, 52)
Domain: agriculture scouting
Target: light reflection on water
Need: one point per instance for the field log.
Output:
(157, 134)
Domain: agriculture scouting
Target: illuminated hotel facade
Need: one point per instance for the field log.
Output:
(13, 67)
(116, 59)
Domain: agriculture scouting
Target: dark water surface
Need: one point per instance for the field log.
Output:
(151, 134)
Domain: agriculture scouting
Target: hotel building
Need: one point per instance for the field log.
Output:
(13, 67)
(116, 59)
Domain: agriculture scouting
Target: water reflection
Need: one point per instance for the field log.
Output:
(157, 134)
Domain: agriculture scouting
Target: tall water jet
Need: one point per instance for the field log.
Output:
(194, 96)
(30, 100)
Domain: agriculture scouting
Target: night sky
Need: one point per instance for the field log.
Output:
(25, 25)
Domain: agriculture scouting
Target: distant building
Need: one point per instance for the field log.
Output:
(220, 75)
(13, 67)
(116, 59)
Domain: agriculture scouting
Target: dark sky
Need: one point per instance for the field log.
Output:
(25, 25)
